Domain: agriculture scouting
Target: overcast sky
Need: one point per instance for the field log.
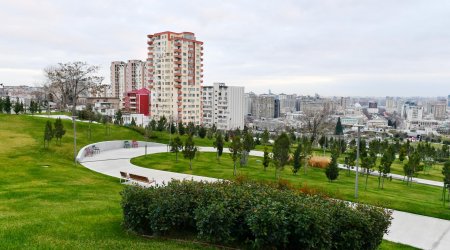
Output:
(330, 47)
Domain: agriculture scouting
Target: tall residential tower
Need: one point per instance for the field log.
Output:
(175, 76)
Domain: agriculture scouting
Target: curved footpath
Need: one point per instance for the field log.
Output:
(411, 229)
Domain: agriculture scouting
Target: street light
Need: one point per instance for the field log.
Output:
(357, 159)
(74, 138)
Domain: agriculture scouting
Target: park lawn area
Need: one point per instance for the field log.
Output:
(434, 173)
(46, 202)
(418, 199)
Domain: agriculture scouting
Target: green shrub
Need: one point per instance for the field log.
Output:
(259, 215)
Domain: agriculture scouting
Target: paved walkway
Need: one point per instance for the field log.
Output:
(411, 229)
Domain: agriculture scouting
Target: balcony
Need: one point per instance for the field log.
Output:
(177, 50)
(179, 92)
(177, 74)
(150, 42)
(177, 62)
(178, 86)
(180, 98)
(178, 80)
(177, 56)
(178, 44)
(180, 109)
(179, 103)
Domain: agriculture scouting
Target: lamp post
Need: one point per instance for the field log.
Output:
(357, 159)
(74, 138)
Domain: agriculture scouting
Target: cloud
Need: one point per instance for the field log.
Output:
(345, 47)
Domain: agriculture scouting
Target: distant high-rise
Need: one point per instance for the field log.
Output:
(175, 76)
(126, 77)
(223, 106)
(118, 69)
(390, 104)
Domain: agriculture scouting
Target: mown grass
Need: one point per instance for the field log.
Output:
(434, 173)
(46, 202)
(418, 199)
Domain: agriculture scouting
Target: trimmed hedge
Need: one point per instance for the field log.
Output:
(253, 214)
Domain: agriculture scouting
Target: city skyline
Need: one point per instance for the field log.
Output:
(344, 48)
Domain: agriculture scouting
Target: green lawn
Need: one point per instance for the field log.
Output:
(46, 202)
(60, 206)
(419, 199)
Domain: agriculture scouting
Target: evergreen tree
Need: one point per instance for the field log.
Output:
(17, 107)
(411, 167)
(190, 128)
(297, 159)
(189, 150)
(48, 133)
(281, 150)
(22, 108)
(133, 122)
(218, 144)
(265, 137)
(266, 159)
(59, 131)
(173, 128)
(7, 105)
(235, 151)
(153, 125)
(339, 130)
(402, 154)
(202, 132)
(332, 170)
(161, 123)
(227, 136)
(32, 110)
(118, 119)
(2, 104)
(181, 128)
(446, 173)
(248, 144)
(176, 145)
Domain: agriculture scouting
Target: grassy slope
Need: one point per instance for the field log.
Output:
(62, 206)
(59, 206)
(419, 199)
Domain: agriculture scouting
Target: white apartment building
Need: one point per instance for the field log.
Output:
(175, 76)
(126, 77)
(223, 106)
(412, 112)
(135, 75)
(118, 69)
(391, 105)
(287, 103)
(439, 111)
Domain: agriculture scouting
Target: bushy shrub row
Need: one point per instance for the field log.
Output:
(255, 214)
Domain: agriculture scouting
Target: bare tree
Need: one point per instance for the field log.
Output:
(314, 122)
(68, 81)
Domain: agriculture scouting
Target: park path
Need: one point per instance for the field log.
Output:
(411, 229)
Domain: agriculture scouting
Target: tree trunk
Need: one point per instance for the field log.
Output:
(176, 156)
(367, 177)
(190, 164)
(234, 168)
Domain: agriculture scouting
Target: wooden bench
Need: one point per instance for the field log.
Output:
(124, 177)
(140, 178)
